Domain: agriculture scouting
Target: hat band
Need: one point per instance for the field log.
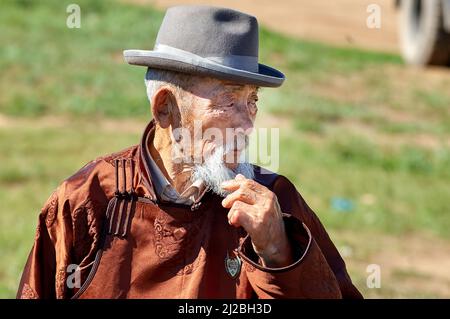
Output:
(242, 62)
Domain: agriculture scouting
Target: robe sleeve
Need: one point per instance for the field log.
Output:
(65, 244)
(38, 277)
(318, 270)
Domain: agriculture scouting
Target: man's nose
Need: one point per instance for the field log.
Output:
(247, 126)
(243, 120)
(244, 123)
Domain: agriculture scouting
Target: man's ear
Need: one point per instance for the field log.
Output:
(163, 105)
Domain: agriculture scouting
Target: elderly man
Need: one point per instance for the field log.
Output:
(181, 215)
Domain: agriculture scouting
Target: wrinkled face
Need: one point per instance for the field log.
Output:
(221, 113)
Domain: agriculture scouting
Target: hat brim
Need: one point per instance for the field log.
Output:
(265, 77)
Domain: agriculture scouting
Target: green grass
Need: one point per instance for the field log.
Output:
(409, 186)
(57, 70)
(355, 123)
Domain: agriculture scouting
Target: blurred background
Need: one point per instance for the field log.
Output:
(364, 136)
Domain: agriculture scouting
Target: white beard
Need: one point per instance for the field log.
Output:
(213, 170)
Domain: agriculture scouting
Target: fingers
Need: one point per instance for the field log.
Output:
(239, 215)
(243, 195)
(240, 181)
(243, 201)
(243, 189)
(231, 185)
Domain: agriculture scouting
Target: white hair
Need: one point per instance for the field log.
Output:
(155, 78)
(213, 170)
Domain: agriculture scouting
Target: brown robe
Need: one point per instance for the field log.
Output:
(107, 221)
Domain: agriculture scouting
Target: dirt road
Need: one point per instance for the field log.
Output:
(340, 22)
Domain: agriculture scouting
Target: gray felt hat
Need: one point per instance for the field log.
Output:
(210, 41)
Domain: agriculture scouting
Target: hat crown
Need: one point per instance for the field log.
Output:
(209, 31)
(208, 41)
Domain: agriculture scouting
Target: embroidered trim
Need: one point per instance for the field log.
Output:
(160, 232)
(28, 292)
(60, 282)
(175, 249)
(51, 209)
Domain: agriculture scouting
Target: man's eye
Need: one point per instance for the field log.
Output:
(253, 101)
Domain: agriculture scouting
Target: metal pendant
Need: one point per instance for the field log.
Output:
(233, 265)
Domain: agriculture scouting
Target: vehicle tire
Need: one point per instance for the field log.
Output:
(423, 39)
